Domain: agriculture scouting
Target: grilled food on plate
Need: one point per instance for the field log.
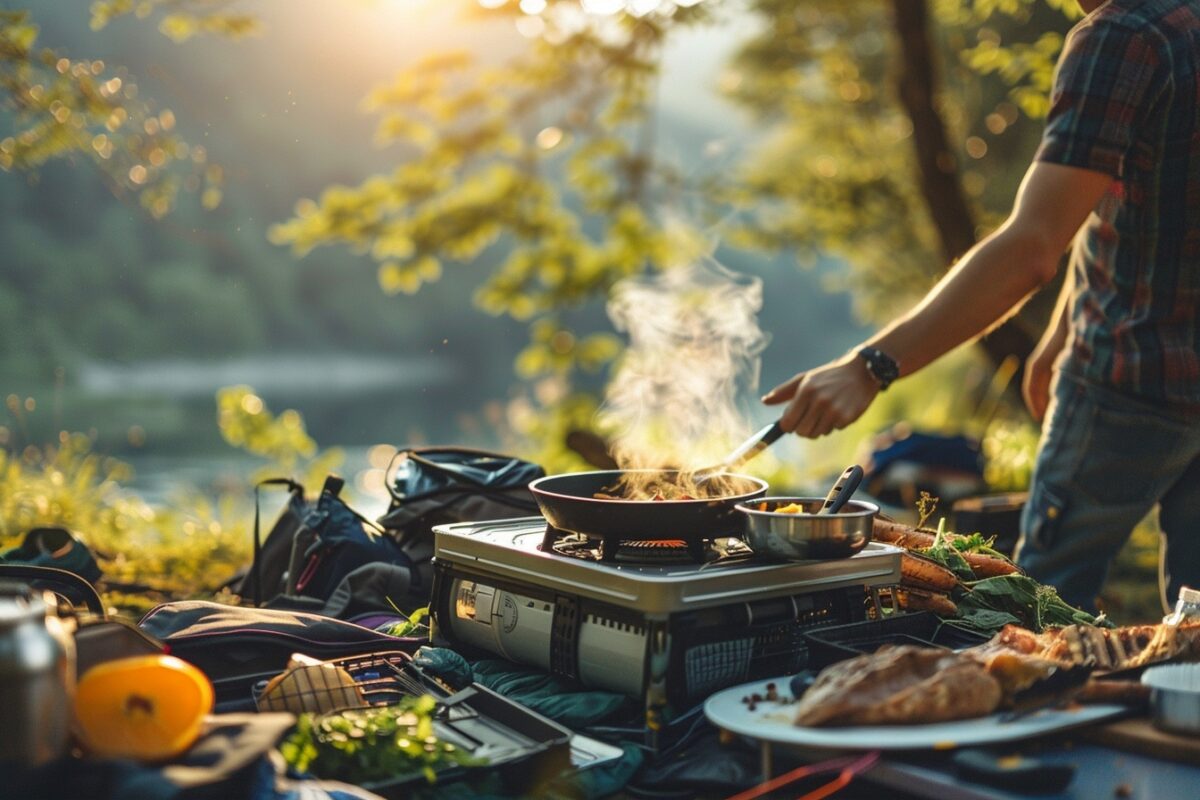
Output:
(897, 685)
(919, 685)
(1108, 649)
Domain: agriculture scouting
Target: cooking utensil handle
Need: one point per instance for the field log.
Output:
(842, 490)
(771, 434)
(750, 448)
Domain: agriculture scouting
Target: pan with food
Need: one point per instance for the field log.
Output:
(645, 504)
(790, 528)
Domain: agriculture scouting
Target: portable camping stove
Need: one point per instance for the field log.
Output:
(649, 619)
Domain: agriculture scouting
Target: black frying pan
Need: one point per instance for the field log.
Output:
(568, 504)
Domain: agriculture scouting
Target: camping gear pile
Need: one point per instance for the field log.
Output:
(462, 642)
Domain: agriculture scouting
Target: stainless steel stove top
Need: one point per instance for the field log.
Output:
(511, 550)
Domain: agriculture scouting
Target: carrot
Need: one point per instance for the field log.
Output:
(921, 600)
(910, 538)
(901, 535)
(985, 566)
(925, 573)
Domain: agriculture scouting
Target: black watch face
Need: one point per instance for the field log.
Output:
(881, 366)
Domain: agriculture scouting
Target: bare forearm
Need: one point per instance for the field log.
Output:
(986, 287)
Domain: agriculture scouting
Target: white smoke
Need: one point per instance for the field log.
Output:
(694, 347)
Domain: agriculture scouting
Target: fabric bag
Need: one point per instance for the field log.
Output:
(440, 485)
(235, 646)
(313, 546)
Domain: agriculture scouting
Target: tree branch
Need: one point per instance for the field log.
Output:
(938, 172)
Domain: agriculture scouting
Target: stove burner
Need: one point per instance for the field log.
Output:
(655, 551)
(640, 551)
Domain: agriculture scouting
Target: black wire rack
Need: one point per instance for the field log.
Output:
(373, 679)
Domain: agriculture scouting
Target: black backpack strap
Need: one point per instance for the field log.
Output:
(333, 487)
(56, 580)
(255, 565)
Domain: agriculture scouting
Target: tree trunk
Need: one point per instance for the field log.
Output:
(937, 164)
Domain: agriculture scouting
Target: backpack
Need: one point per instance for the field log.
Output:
(440, 485)
(313, 546)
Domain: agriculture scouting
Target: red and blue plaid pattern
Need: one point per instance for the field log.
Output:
(1125, 102)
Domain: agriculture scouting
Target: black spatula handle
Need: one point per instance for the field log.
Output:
(843, 490)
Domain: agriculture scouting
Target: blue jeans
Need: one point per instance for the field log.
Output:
(1105, 460)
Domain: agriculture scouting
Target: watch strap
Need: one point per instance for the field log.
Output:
(883, 368)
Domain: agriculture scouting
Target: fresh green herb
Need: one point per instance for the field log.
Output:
(1020, 600)
(943, 552)
(412, 623)
(926, 506)
(373, 744)
(976, 543)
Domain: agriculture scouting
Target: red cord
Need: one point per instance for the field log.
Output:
(792, 777)
(848, 773)
(850, 768)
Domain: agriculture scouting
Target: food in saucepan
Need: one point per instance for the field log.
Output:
(787, 508)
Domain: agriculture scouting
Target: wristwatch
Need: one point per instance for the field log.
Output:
(883, 368)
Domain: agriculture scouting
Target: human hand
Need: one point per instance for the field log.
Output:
(825, 399)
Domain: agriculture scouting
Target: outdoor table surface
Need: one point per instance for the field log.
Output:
(1100, 772)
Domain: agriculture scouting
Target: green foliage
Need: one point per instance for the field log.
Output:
(1028, 68)
(184, 547)
(1009, 451)
(413, 625)
(541, 165)
(373, 744)
(179, 19)
(64, 108)
(178, 550)
(1023, 601)
(246, 423)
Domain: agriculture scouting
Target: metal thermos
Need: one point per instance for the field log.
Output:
(35, 680)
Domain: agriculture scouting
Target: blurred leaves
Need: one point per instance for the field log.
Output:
(184, 547)
(247, 424)
(543, 166)
(179, 19)
(60, 108)
(181, 549)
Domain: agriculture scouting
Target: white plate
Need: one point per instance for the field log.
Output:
(772, 722)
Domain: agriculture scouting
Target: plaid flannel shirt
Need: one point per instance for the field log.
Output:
(1124, 102)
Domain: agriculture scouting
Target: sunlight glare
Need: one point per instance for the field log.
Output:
(531, 27)
(602, 7)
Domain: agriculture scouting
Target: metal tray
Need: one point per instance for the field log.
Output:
(520, 744)
(838, 642)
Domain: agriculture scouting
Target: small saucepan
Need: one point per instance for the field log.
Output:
(828, 527)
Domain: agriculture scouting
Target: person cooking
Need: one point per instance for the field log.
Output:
(1116, 375)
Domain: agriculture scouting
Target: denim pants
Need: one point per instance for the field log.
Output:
(1104, 461)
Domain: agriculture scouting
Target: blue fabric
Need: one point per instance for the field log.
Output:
(549, 696)
(552, 697)
(79, 560)
(1105, 460)
(952, 452)
(346, 545)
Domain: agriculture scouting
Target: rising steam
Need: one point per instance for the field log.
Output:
(694, 346)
